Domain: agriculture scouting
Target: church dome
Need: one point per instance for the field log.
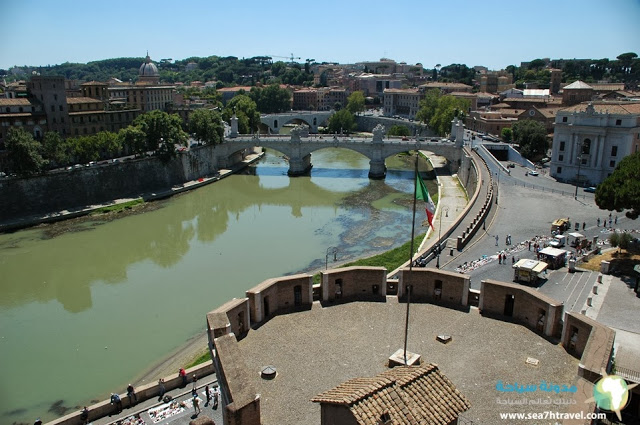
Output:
(148, 68)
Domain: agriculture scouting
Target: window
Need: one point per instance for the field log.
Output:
(612, 164)
(61, 108)
(618, 122)
(564, 119)
(586, 146)
(584, 161)
(7, 110)
(20, 109)
(53, 108)
(55, 97)
(559, 170)
(614, 150)
(560, 158)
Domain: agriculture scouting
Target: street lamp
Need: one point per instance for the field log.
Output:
(331, 250)
(446, 211)
(579, 164)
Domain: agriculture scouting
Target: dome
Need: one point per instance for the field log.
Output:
(148, 68)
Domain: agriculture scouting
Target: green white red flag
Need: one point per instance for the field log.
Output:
(423, 194)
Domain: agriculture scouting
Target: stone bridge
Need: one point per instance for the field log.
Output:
(274, 122)
(299, 146)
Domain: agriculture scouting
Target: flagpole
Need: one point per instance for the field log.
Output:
(413, 227)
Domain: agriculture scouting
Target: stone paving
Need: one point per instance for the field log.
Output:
(315, 350)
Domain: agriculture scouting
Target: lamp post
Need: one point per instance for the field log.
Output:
(579, 164)
(331, 250)
(446, 211)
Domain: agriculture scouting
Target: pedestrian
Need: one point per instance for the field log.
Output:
(208, 394)
(117, 403)
(499, 258)
(529, 245)
(497, 237)
(195, 379)
(84, 415)
(162, 389)
(183, 374)
(506, 240)
(616, 220)
(598, 221)
(196, 404)
(216, 395)
(131, 393)
(513, 260)
(609, 220)
(583, 225)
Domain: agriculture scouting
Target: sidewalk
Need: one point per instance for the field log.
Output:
(139, 414)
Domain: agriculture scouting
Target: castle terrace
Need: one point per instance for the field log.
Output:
(316, 350)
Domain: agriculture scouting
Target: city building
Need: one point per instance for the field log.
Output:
(229, 92)
(50, 92)
(446, 88)
(496, 81)
(590, 139)
(24, 113)
(305, 100)
(403, 102)
(329, 97)
(577, 92)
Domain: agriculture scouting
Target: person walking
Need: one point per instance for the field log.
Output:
(183, 374)
(162, 388)
(583, 225)
(513, 260)
(598, 221)
(216, 396)
(208, 394)
(196, 404)
(497, 238)
(615, 220)
(131, 393)
(195, 380)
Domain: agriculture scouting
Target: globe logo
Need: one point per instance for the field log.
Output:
(611, 393)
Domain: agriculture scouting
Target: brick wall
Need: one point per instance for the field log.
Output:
(590, 341)
(278, 295)
(435, 286)
(237, 311)
(527, 306)
(354, 283)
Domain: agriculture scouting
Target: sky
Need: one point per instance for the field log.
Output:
(493, 33)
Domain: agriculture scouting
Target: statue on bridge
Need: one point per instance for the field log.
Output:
(378, 133)
(299, 131)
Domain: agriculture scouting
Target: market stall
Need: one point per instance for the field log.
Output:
(554, 257)
(526, 270)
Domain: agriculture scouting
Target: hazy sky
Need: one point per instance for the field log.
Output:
(492, 33)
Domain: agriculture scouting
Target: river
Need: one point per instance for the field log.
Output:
(88, 305)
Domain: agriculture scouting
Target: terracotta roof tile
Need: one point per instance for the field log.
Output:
(617, 108)
(409, 395)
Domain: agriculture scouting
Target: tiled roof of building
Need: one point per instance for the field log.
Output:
(235, 89)
(93, 83)
(578, 85)
(616, 108)
(435, 84)
(607, 86)
(402, 91)
(15, 102)
(80, 99)
(409, 395)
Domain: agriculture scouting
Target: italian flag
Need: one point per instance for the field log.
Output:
(423, 194)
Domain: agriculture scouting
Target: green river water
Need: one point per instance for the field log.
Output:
(89, 305)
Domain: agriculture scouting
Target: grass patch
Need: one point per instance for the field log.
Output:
(118, 207)
(202, 358)
(391, 259)
(621, 261)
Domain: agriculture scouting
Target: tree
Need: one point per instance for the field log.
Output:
(271, 99)
(206, 126)
(620, 240)
(54, 148)
(108, 144)
(246, 111)
(507, 134)
(133, 139)
(428, 105)
(532, 138)
(621, 190)
(355, 102)
(537, 64)
(24, 152)
(162, 131)
(342, 121)
(447, 108)
(399, 130)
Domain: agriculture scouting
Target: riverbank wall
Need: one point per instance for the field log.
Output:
(71, 193)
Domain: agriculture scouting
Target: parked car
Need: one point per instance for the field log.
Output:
(533, 173)
(590, 189)
(511, 165)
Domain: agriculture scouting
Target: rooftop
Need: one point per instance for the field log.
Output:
(319, 349)
(616, 108)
